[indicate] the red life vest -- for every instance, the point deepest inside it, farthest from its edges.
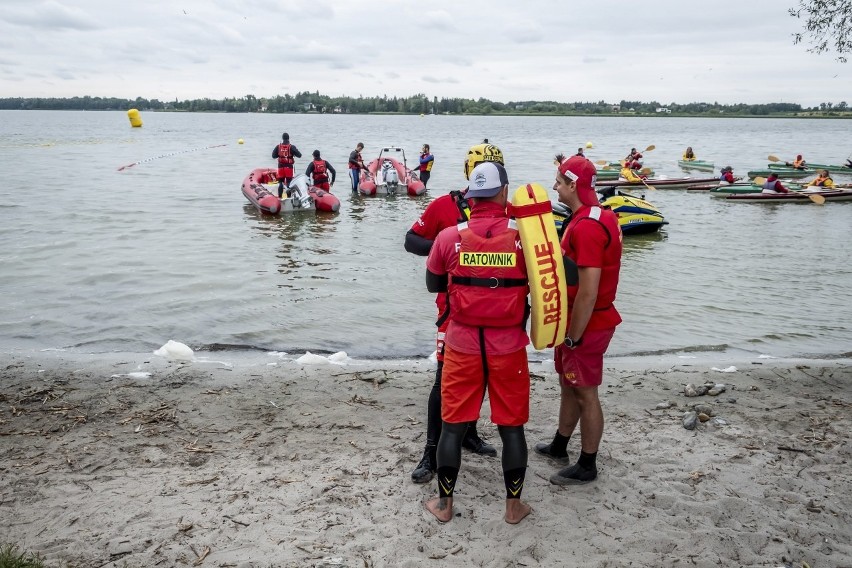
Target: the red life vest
(609, 272)
(488, 287)
(285, 156)
(320, 174)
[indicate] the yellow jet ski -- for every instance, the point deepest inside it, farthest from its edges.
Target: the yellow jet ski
(635, 215)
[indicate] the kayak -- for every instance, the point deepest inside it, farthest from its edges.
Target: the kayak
(832, 169)
(793, 197)
(783, 172)
(661, 183)
(696, 165)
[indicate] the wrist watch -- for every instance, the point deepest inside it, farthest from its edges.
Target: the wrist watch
(572, 343)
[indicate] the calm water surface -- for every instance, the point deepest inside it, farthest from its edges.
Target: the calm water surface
(95, 260)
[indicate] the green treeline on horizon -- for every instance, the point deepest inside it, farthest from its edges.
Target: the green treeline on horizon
(307, 102)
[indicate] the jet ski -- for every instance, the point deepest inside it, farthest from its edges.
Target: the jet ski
(635, 215)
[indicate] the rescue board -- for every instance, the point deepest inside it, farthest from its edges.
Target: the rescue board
(533, 213)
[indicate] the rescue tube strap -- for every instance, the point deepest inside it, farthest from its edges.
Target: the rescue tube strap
(490, 282)
(521, 211)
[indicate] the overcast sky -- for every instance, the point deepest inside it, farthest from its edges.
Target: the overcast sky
(727, 51)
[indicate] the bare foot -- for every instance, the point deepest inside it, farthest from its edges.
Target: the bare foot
(516, 510)
(441, 507)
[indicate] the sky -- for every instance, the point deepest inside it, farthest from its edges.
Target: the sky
(726, 51)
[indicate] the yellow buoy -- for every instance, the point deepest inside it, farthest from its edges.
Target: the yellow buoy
(135, 119)
(589, 145)
(240, 141)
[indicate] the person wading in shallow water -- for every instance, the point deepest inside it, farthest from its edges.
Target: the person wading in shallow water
(480, 266)
(285, 154)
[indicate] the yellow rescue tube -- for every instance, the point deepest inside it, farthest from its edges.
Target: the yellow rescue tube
(135, 118)
(533, 215)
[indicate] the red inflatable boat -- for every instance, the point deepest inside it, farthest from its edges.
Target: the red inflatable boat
(261, 188)
(386, 175)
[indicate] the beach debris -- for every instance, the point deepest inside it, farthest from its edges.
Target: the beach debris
(704, 409)
(175, 351)
(719, 422)
(690, 420)
(200, 557)
(664, 405)
(717, 389)
(133, 375)
(691, 390)
(730, 369)
(339, 358)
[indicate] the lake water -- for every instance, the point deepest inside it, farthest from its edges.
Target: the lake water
(96, 260)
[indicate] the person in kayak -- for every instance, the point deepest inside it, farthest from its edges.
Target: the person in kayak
(689, 155)
(799, 163)
(632, 160)
(727, 176)
(822, 180)
(772, 185)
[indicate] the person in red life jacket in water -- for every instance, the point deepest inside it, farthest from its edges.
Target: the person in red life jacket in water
(427, 160)
(445, 211)
(285, 153)
(480, 266)
(772, 185)
(592, 241)
(318, 171)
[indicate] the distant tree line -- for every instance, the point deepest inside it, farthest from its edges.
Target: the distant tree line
(307, 102)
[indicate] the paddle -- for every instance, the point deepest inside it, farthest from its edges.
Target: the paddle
(818, 199)
(649, 148)
(772, 158)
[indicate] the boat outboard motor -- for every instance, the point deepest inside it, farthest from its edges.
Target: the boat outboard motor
(299, 192)
(390, 176)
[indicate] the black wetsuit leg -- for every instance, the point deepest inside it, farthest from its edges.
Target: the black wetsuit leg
(449, 457)
(514, 459)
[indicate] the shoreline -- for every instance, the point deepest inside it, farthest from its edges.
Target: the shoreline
(254, 464)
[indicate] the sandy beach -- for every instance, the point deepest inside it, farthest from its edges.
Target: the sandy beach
(144, 462)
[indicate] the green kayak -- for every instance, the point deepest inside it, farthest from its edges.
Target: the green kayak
(833, 169)
(696, 165)
(782, 173)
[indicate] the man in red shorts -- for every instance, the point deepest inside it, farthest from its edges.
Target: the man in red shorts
(286, 155)
(593, 241)
(480, 264)
(445, 211)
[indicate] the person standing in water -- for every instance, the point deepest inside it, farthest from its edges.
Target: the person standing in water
(285, 153)
(427, 160)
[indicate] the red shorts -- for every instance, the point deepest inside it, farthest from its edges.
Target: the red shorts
(583, 365)
(285, 172)
(463, 385)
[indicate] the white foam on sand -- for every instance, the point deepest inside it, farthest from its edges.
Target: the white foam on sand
(175, 351)
(339, 358)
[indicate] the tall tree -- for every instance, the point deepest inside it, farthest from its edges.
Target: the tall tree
(826, 22)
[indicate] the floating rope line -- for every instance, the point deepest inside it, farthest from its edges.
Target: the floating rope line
(167, 155)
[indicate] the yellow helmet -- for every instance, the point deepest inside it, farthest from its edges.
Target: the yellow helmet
(481, 153)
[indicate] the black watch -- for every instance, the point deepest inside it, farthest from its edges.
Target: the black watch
(572, 343)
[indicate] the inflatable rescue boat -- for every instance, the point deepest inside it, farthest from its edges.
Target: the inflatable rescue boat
(387, 175)
(260, 187)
